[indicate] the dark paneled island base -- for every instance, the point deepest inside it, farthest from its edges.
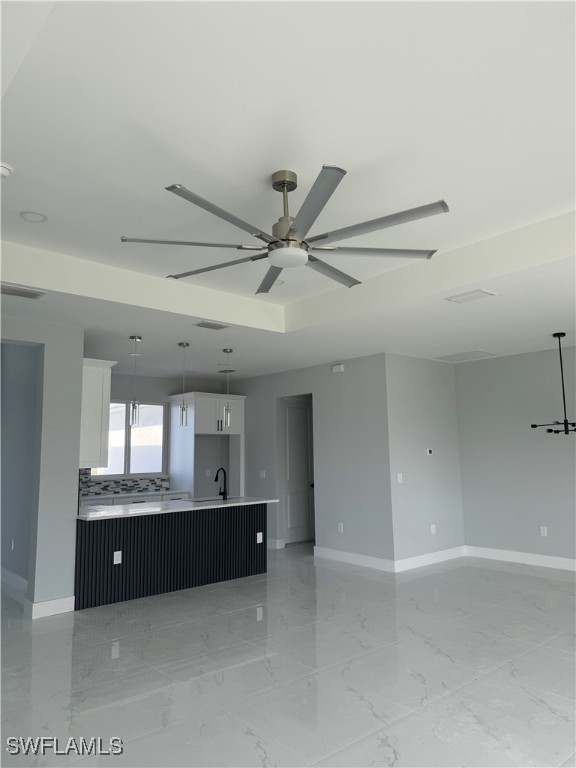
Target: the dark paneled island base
(167, 552)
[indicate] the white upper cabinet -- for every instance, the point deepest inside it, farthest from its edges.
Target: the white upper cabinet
(218, 415)
(96, 378)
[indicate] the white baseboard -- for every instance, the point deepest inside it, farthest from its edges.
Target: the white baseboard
(428, 559)
(276, 543)
(527, 558)
(51, 607)
(408, 563)
(14, 581)
(378, 563)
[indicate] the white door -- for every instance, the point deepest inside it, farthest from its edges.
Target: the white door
(298, 475)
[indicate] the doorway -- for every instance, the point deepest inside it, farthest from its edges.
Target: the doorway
(296, 468)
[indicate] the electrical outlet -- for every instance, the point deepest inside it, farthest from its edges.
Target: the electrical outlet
(433, 529)
(118, 557)
(543, 530)
(259, 613)
(429, 451)
(340, 527)
(115, 650)
(259, 537)
(208, 472)
(262, 474)
(400, 478)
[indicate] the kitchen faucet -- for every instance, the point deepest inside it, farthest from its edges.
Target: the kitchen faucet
(222, 491)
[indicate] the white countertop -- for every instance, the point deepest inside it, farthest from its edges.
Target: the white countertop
(109, 511)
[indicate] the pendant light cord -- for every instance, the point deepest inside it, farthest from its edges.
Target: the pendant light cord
(183, 371)
(134, 374)
(562, 377)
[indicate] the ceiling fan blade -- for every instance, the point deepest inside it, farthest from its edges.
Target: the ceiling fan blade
(270, 278)
(332, 272)
(398, 253)
(219, 266)
(190, 242)
(382, 223)
(322, 190)
(186, 194)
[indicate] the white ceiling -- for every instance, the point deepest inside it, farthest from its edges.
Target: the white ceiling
(107, 103)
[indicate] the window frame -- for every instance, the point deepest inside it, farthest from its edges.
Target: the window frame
(128, 443)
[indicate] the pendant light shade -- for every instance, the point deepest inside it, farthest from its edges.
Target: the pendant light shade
(134, 404)
(227, 415)
(183, 405)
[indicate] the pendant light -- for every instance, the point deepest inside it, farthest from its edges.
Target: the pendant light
(183, 406)
(562, 427)
(227, 413)
(134, 404)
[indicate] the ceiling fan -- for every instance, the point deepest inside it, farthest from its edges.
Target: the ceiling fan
(288, 245)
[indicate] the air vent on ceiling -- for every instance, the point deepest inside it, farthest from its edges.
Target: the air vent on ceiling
(211, 326)
(22, 291)
(463, 357)
(462, 298)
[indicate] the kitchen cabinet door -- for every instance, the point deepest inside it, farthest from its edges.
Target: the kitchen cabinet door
(205, 416)
(95, 415)
(231, 425)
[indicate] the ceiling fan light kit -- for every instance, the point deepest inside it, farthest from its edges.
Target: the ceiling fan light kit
(287, 254)
(288, 246)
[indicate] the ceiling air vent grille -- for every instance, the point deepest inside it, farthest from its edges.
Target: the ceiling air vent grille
(463, 298)
(211, 326)
(464, 357)
(22, 291)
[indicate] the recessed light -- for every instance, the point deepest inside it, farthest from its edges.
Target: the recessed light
(33, 217)
(134, 354)
(279, 283)
(6, 170)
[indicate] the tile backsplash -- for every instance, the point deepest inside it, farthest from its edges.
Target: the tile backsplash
(92, 485)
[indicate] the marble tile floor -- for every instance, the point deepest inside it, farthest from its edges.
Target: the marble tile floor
(316, 663)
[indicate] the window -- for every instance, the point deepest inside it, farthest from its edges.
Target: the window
(136, 450)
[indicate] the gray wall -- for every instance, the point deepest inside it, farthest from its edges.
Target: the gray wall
(155, 389)
(53, 528)
(422, 414)
(210, 453)
(21, 414)
(515, 479)
(351, 461)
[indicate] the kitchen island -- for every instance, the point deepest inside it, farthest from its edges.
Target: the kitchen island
(127, 551)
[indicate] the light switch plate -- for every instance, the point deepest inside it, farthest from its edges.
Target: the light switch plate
(259, 537)
(400, 478)
(118, 557)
